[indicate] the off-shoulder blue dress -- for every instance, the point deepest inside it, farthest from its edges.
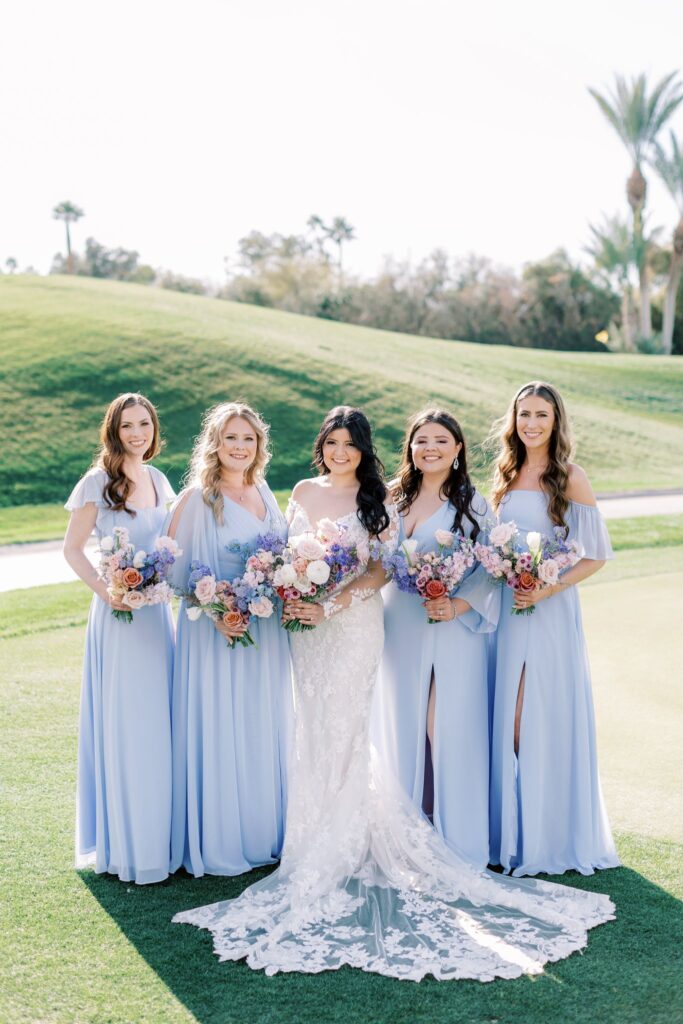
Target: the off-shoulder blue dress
(123, 819)
(232, 710)
(456, 652)
(547, 811)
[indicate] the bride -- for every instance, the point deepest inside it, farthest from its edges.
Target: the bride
(364, 878)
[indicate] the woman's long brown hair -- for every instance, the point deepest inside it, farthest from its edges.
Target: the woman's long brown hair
(512, 452)
(458, 489)
(111, 455)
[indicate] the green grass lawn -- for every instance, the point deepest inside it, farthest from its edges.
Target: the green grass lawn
(68, 345)
(77, 947)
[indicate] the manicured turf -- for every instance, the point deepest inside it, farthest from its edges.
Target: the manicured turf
(77, 947)
(68, 345)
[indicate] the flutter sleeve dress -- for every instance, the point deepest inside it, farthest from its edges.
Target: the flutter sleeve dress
(123, 821)
(547, 810)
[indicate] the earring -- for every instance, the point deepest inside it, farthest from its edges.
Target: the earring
(456, 462)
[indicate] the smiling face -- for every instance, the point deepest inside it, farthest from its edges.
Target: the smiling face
(340, 454)
(433, 448)
(238, 445)
(535, 419)
(136, 430)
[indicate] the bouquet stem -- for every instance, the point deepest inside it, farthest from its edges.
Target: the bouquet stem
(122, 616)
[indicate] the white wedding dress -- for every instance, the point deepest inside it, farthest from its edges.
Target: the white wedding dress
(365, 880)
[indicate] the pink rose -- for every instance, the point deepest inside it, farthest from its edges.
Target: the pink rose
(262, 608)
(134, 599)
(205, 589)
(308, 547)
(548, 571)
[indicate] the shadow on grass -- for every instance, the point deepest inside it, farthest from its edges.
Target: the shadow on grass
(626, 975)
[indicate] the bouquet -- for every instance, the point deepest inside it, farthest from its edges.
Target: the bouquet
(314, 565)
(431, 574)
(136, 578)
(526, 567)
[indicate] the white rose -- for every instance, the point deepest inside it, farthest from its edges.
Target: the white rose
(318, 572)
(107, 544)
(139, 559)
(193, 613)
(308, 547)
(445, 538)
(533, 541)
(284, 576)
(303, 585)
(548, 571)
(502, 533)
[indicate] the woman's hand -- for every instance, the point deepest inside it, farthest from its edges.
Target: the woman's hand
(307, 612)
(528, 598)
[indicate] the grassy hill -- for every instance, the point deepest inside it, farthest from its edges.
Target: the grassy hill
(68, 345)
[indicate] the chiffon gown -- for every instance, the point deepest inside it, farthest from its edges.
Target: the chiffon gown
(123, 820)
(456, 653)
(231, 710)
(547, 811)
(364, 878)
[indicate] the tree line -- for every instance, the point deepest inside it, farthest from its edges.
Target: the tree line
(627, 296)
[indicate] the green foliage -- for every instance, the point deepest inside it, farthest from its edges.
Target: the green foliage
(69, 345)
(646, 532)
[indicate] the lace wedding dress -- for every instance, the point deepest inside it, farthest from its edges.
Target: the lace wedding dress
(364, 878)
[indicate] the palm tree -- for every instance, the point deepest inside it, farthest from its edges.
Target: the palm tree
(669, 167)
(613, 252)
(637, 117)
(340, 231)
(69, 213)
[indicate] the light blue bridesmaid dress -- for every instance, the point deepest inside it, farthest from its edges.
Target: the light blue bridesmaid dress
(232, 710)
(547, 811)
(123, 821)
(457, 654)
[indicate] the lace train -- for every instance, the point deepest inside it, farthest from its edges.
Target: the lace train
(364, 879)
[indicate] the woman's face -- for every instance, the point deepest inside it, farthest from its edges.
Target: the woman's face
(239, 445)
(535, 420)
(340, 454)
(136, 430)
(434, 449)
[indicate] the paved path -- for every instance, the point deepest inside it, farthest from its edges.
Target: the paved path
(33, 565)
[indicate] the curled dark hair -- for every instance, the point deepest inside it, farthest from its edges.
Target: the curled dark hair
(457, 488)
(372, 491)
(112, 453)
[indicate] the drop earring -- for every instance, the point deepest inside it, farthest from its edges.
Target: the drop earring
(456, 462)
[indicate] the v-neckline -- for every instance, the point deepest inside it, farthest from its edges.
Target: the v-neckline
(418, 526)
(157, 502)
(238, 504)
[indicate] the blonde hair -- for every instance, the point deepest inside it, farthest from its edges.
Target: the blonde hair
(512, 451)
(205, 466)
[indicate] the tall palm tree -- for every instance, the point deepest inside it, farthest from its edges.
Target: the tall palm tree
(669, 167)
(613, 252)
(340, 231)
(637, 117)
(69, 213)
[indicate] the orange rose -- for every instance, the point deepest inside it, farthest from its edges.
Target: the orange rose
(233, 619)
(132, 578)
(526, 582)
(434, 589)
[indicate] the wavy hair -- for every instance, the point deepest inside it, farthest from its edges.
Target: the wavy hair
(205, 466)
(457, 488)
(372, 491)
(111, 454)
(512, 452)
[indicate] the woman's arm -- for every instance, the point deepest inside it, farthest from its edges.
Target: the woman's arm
(81, 525)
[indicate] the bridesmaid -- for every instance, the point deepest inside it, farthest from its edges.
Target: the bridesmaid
(123, 822)
(547, 812)
(431, 716)
(231, 707)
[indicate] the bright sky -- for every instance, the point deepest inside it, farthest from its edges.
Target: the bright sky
(180, 127)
